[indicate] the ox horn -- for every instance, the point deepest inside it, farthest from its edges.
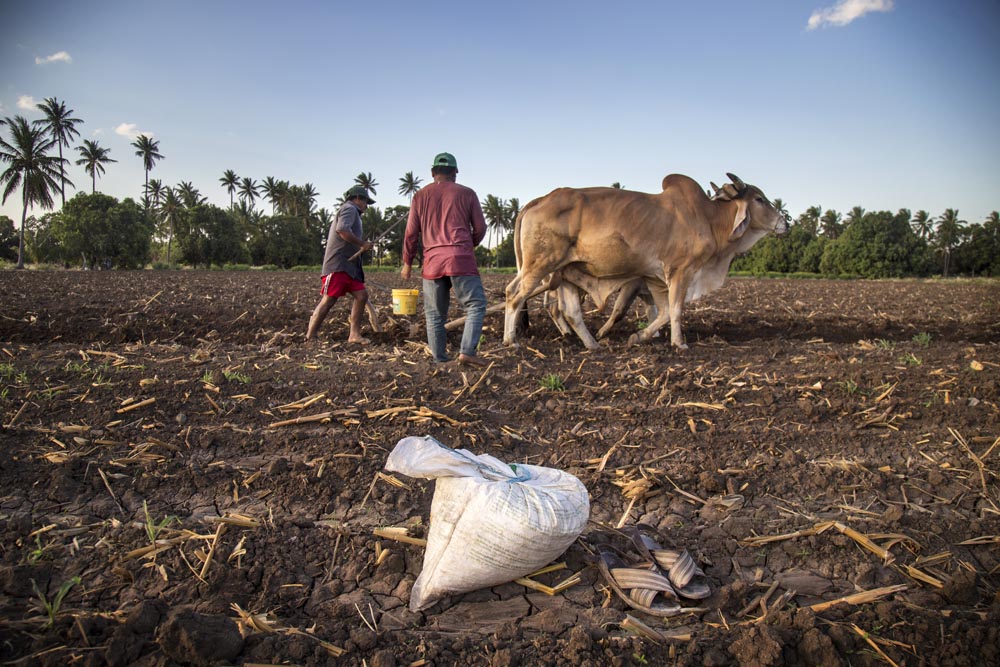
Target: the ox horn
(740, 185)
(716, 188)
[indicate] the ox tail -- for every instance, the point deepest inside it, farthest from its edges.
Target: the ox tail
(522, 324)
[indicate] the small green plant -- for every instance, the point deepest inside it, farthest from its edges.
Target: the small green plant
(51, 607)
(36, 554)
(640, 658)
(851, 387)
(885, 344)
(9, 373)
(78, 367)
(641, 324)
(923, 339)
(236, 376)
(208, 378)
(911, 359)
(154, 528)
(552, 382)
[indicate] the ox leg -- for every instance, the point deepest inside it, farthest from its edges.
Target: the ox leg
(661, 297)
(625, 298)
(518, 291)
(569, 304)
(552, 305)
(678, 292)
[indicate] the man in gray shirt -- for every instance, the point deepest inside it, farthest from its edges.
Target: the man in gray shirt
(340, 273)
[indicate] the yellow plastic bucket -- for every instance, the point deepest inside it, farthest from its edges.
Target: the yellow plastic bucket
(404, 301)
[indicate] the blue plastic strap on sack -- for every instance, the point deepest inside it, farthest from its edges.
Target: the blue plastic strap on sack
(484, 468)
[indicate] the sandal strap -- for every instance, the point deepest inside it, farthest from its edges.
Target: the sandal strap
(630, 578)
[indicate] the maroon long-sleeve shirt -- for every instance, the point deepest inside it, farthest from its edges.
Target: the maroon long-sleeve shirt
(447, 220)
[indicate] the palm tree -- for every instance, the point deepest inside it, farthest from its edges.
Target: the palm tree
(495, 212)
(170, 208)
(309, 195)
(513, 210)
(189, 194)
(809, 220)
(61, 126)
(616, 185)
(149, 150)
(248, 191)
(923, 226)
(779, 206)
(229, 181)
(854, 216)
(93, 157)
(948, 234)
(37, 173)
(830, 224)
(154, 190)
(271, 190)
(409, 185)
(367, 181)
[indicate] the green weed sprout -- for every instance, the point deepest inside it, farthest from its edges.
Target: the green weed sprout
(52, 606)
(552, 382)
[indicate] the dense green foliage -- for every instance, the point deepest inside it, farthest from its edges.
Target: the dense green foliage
(877, 244)
(8, 239)
(208, 235)
(99, 231)
(284, 241)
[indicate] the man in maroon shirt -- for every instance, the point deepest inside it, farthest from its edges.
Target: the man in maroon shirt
(447, 221)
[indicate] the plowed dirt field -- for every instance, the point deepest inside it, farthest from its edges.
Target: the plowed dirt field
(184, 481)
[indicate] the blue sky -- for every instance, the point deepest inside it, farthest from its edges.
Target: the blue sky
(882, 104)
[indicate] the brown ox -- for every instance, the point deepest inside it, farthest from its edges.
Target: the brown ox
(679, 242)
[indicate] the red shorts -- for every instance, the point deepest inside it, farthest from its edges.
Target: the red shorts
(340, 283)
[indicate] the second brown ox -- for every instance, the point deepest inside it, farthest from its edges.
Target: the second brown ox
(679, 242)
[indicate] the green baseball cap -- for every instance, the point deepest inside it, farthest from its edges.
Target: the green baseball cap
(358, 191)
(445, 160)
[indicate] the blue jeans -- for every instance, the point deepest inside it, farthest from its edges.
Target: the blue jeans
(469, 292)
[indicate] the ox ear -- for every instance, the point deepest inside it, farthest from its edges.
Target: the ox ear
(742, 220)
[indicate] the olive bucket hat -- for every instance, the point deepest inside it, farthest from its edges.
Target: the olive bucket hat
(358, 191)
(445, 160)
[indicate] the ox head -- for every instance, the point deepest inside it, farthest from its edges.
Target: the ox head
(753, 209)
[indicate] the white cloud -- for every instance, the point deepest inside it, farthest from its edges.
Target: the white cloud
(129, 130)
(58, 57)
(97, 133)
(846, 11)
(27, 103)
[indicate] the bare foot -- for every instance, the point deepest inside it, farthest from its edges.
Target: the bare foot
(360, 340)
(471, 360)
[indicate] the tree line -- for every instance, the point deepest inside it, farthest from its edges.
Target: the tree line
(879, 244)
(175, 225)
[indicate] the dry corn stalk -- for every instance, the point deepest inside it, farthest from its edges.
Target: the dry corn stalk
(240, 520)
(400, 535)
(301, 404)
(863, 597)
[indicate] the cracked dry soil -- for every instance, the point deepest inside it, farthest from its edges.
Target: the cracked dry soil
(806, 417)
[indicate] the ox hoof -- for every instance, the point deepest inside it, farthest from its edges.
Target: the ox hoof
(680, 347)
(633, 339)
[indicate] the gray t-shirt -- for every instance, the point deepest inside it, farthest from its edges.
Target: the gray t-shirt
(339, 251)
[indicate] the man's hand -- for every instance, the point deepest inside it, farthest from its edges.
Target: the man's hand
(405, 271)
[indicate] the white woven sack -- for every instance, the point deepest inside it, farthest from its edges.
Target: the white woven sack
(490, 522)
